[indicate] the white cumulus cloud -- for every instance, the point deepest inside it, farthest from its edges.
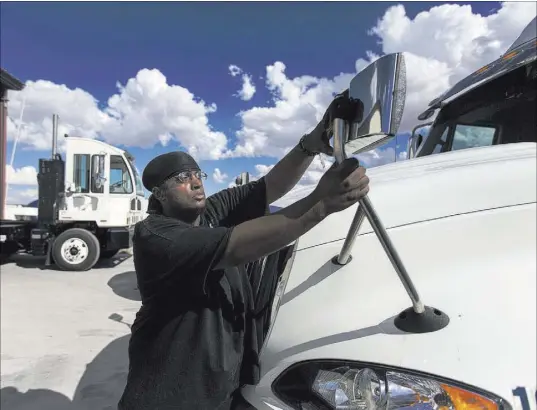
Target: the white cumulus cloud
(248, 89)
(21, 176)
(219, 177)
(18, 196)
(441, 46)
(447, 43)
(146, 110)
(234, 70)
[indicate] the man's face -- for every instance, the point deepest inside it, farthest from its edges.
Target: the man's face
(184, 192)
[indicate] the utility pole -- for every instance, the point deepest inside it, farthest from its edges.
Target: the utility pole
(7, 82)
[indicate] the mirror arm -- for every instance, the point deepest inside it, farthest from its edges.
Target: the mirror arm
(350, 118)
(365, 208)
(340, 132)
(344, 256)
(392, 254)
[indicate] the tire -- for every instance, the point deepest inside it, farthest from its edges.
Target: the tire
(76, 249)
(109, 253)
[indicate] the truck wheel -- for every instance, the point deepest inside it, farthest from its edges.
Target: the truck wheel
(76, 249)
(109, 253)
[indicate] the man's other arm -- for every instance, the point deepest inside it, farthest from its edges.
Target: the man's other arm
(286, 174)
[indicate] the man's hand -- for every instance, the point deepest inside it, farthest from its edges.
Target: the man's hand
(342, 186)
(318, 141)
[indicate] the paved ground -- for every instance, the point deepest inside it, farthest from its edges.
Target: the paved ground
(64, 335)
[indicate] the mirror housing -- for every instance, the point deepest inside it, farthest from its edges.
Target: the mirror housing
(416, 140)
(381, 88)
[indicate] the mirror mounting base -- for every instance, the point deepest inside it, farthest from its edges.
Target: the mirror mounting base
(335, 260)
(431, 320)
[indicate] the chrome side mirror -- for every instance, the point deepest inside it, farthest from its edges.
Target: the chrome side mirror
(418, 137)
(381, 90)
(363, 117)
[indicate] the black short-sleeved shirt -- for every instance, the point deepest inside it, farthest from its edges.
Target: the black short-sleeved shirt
(194, 340)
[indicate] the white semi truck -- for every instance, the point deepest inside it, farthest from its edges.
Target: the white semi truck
(87, 207)
(425, 300)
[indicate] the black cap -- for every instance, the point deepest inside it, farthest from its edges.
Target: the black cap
(164, 166)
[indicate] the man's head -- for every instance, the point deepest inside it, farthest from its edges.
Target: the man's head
(176, 182)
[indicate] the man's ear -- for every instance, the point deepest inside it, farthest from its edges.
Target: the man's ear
(158, 193)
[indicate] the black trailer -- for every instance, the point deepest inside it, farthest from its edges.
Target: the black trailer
(12, 233)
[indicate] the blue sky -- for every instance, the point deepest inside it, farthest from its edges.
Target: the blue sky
(92, 46)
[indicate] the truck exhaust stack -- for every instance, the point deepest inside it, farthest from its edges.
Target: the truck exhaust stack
(54, 135)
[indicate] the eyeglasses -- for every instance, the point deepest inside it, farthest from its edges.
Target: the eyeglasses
(187, 176)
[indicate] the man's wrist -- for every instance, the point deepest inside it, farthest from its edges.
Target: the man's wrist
(314, 202)
(303, 146)
(318, 211)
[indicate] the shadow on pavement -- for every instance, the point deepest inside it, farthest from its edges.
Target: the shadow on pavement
(118, 259)
(24, 260)
(100, 387)
(125, 285)
(12, 399)
(104, 379)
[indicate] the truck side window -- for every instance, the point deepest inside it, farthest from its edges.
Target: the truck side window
(120, 178)
(81, 173)
(97, 174)
(471, 136)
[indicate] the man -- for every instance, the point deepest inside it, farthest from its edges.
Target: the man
(193, 342)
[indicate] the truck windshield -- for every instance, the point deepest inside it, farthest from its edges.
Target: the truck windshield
(503, 112)
(138, 179)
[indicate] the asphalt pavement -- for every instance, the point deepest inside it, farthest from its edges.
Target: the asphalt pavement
(64, 335)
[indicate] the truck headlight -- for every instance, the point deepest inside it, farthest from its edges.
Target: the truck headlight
(335, 386)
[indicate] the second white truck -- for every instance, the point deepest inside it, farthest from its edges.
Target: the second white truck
(87, 207)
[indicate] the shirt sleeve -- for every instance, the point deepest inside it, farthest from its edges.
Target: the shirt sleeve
(236, 205)
(172, 255)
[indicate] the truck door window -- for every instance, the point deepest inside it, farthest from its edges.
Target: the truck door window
(120, 178)
(471, 136)
(81, 173)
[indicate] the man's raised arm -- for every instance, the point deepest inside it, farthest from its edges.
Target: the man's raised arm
(340, 187)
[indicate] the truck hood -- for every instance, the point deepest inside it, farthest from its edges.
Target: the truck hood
(464, 225)
(427, 188)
